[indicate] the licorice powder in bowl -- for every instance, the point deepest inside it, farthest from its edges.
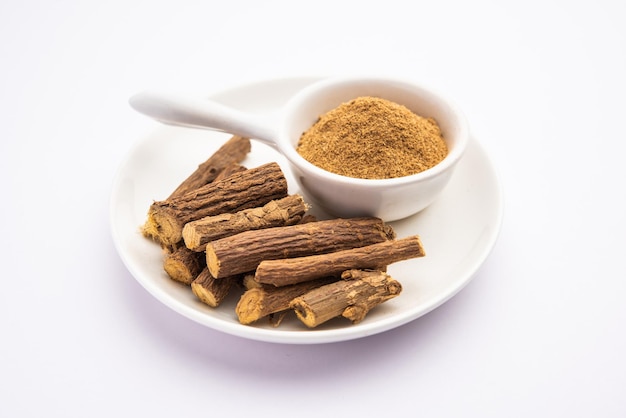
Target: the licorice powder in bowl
(373, 138)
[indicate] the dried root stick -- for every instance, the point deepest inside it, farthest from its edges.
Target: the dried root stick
(243, 252)
(242, 190)
(281, 272)
(212, 291)
(283, 212)
(261, 301)
(350, 298)
(233, 151)
(184, 265)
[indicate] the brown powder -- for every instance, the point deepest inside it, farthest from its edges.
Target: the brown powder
(373, 138)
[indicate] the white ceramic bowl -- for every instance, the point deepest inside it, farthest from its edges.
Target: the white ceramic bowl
(389, 199)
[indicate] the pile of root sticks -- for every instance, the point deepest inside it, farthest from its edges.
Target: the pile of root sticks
(229, 227)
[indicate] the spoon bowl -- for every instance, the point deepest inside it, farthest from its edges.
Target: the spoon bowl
(390, 199)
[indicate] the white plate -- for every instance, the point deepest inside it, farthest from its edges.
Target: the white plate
(458, 230)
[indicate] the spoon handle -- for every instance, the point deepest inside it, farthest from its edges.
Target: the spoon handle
(200, 113)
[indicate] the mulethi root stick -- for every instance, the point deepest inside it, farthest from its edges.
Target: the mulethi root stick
(243, 252)
(281, 272)
(233, 151)
(352, 298)
(242, 190)
(282, 212)
(261, 301)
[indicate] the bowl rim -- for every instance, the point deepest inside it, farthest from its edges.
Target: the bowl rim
(453, 156)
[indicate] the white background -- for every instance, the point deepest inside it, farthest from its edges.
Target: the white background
(540, 331)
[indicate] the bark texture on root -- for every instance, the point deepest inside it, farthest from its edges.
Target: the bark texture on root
(350, 298)
(231, 152)
(242, 190)
(243, 252)
(184, 265)
(261, 301)
(281, 272)
(283, 212)
(212, 291)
